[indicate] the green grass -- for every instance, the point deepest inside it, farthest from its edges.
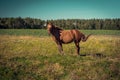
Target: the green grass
(43, 32)
(29, 54)
(37, 58)
(24, 32)
(102, 32)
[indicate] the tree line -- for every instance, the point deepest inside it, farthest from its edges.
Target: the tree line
(32, 23)
(21, 23)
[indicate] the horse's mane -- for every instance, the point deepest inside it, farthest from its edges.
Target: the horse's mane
(57, 28)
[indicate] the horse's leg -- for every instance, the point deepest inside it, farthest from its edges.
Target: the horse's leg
(77, 47)
(60, 48)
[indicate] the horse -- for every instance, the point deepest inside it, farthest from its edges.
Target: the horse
(61, 36)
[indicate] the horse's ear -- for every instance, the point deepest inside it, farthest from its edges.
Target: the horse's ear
(49, 23)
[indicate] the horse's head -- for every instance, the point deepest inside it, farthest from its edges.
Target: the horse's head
(49, 27)
(52, 28)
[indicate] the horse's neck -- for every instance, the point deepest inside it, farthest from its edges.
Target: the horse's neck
(55, 31)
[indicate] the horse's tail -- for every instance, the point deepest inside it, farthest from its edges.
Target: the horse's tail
(85, 38)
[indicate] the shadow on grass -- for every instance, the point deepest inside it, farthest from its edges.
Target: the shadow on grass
(97, 55)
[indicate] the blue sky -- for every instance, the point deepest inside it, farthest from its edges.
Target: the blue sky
(60, 9)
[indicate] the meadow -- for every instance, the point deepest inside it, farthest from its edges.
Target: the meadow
(32, 55)
(43, 32)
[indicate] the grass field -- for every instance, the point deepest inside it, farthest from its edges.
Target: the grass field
(32, 55)
(43, 32)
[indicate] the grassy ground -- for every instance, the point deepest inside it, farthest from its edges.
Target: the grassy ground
(37, 58)
(43, 32)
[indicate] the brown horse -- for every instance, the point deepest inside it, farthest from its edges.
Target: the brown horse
(61, 36)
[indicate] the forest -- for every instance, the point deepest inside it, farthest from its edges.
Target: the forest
(33, 23)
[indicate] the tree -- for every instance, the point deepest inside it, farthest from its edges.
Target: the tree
(32, 23)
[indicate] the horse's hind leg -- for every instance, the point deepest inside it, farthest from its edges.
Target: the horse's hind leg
(77, 47)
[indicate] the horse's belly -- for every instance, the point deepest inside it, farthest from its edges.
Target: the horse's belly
(66, 37)
(66, 40)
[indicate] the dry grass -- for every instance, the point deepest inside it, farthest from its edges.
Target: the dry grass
(37, 58)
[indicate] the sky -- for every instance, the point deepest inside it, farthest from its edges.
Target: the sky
(60, 9)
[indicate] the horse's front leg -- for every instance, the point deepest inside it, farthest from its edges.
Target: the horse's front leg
(60, 48)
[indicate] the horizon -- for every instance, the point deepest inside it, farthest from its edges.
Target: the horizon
(63, 19)
(63, 9)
